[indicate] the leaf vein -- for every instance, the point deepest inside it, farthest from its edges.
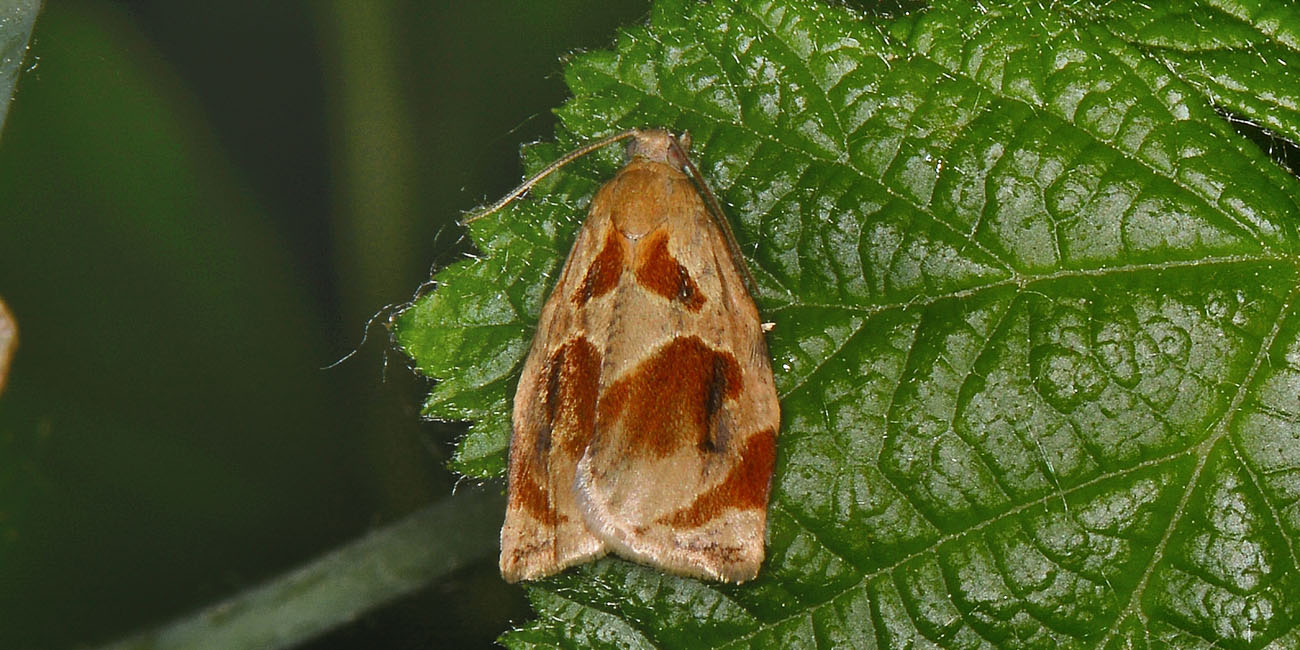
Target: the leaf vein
(958, 534)
(1204, 449)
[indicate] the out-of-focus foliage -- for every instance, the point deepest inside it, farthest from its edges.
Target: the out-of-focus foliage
(180, 241)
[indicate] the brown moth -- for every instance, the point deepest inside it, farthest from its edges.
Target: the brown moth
(645, 421)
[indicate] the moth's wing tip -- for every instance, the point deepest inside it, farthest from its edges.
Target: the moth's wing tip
(519, 564)
(707, 568)
(524, 571)
(511, 565)
(513, 561)
(510, 574)
(742, 572)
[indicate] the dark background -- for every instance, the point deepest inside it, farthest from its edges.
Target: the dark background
(202, 204)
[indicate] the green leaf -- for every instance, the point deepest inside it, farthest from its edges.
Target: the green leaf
(1036, 340)
(1238, 54)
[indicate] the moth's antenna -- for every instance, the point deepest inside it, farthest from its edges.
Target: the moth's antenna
(720, 217)
(550, 169)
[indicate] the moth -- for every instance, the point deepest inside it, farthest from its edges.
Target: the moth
(646, 417)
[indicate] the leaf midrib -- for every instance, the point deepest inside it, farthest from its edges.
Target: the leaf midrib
(1028, 281)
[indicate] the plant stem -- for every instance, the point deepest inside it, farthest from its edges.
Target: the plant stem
(343, 584)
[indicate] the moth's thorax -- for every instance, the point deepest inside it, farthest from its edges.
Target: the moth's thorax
(646, 195)
(659, 145)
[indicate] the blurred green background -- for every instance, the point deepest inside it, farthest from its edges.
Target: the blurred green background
(201, 205)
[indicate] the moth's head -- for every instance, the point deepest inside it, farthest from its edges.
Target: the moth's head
(660, 146)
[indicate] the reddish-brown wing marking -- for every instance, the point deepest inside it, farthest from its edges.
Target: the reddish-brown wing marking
(646, 417)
